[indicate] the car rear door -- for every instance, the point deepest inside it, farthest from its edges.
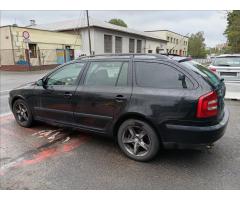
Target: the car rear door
(103, 94)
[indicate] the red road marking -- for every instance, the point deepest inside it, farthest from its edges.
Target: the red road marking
(39, 157)
(48, 153)
(34, 157)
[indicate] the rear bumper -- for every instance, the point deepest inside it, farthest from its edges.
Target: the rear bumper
(195, 135)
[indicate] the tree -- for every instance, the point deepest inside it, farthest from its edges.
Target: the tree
(118, 22)
(196, 45)
(232, 31)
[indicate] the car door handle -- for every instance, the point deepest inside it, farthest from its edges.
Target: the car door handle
(67, 94)
(120, 98)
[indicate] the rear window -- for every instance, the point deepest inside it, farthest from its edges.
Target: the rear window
(227, 61)
(202, 71)
(158, 75)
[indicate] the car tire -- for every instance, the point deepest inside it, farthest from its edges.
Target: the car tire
(138, 140)
(22, 113)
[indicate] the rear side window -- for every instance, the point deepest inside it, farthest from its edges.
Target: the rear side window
(107, 74)
(158, 75)
(202, 71)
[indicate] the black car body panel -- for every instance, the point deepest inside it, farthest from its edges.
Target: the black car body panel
(172, 112)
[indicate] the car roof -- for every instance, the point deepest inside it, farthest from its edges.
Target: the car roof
(180, 58)
(123, 56)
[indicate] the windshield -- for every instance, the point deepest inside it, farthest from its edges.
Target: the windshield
(202, 71)
(227, 61)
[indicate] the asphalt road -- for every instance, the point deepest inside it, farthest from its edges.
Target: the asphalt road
(10, 80)
(46, 157)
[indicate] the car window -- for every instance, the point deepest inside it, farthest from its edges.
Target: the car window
(66, 75)
(105, 74)
(162, 76)
(202, 71)
(123, 76)
(229, 61)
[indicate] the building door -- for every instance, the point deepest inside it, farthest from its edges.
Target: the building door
(180, 52)
(60, 56)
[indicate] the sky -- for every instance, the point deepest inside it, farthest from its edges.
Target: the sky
(212, 23)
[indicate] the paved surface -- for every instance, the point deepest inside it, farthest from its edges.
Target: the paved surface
(233, 90)
(46, 157)
(10, 80)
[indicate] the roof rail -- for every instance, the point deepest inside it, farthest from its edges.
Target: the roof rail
(122, 54)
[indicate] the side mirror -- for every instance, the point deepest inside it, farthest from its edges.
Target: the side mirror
(41, 82)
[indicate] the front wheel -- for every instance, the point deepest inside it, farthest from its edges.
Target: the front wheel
(138, 140)
(22, 113)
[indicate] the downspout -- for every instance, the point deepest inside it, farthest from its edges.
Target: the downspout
(13, 52)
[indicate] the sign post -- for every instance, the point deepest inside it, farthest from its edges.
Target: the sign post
(26, 39)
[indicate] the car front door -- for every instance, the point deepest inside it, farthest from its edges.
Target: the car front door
(55, 96)
(103, 94)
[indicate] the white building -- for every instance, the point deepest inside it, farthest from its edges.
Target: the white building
(177, 43)
(109, 38)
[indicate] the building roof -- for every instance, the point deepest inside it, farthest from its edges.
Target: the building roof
(167, 31)
(82, 23)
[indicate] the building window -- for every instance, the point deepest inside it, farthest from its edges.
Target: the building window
(168, 38)
(149, 51)
(171, 39)
(131, 45)
(139, 46)
(107, 44)
(177, 41)
(118, 44)
(67, 47)
(32, 50)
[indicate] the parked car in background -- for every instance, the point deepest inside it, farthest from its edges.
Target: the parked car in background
(144, 101)
(227, 66)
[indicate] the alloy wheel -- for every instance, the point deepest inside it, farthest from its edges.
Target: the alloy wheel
(136, 140)
(21, 112)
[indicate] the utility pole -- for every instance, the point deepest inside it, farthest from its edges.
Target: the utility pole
(12, 41)
(89, 37)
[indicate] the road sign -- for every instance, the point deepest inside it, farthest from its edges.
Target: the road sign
(26, 35)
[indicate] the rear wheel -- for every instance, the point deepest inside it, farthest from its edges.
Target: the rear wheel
(138, 140)
(22, 113)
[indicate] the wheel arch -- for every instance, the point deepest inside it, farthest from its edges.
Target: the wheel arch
(15, 98)
(138, 116)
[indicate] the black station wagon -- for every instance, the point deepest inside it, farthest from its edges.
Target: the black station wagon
(145, 101)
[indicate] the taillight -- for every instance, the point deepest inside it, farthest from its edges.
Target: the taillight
(207, 105)
(213, 69)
